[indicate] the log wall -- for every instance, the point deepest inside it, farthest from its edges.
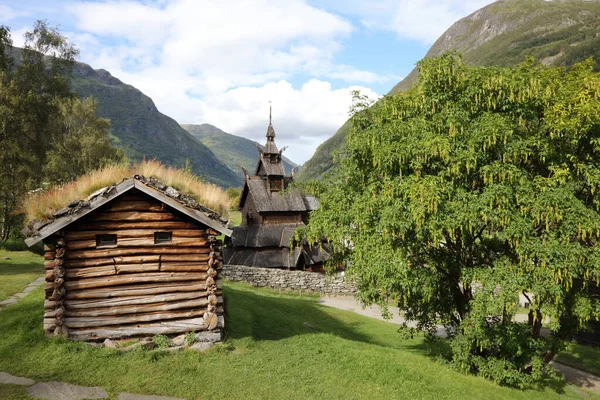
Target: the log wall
(135, 287)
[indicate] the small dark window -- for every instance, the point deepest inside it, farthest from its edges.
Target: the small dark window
(162, 237)
(106, 240)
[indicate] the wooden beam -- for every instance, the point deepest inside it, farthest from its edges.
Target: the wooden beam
(164, 328)
(134, 233)
(159, 277)
(134, 300)
(139, 242)
(136, 290)
(141, 251)
(94, 225)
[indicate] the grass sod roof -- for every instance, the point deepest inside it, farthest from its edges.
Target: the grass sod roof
(43, 208)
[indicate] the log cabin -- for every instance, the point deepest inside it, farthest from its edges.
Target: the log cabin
(134, 259)
(270, 216)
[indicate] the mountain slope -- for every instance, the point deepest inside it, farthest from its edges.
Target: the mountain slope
(142, 131)
(558, 32)
(233, 151)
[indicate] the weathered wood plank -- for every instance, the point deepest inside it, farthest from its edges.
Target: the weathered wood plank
(134, 205)
(141, 251)
(94, 262)
(135, 216)
(117, 269)
(183, 267)
(123, 312)
(117, 280)
(135, 300)
(89, 322)
(136, 290)
(139, 242)
(118, 225)
(49, 255)
(134, 233)
(108, 270)
(165, 328)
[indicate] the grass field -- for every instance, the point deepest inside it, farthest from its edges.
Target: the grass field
(277, 347)
(16, 272)
(582, 357)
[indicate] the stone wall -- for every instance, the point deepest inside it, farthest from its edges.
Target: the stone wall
(284, 279)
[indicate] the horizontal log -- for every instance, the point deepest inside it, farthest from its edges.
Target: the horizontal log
(49, 264)
(183, 267)
(49, 255)
(108, 270)
(90, 322)
(134, 233)
(137, 290)
(117, 269)
(118, 225)
(117, 280)
(93, 262)
(134, 205)
(49, 246)
(134, 300)
(120, 312)
(135, 251)
(156, 328)
(49, 304)
(139, 242)
(135, 216)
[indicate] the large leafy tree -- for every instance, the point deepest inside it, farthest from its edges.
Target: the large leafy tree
(82, 142)
(32, 82)
(46, 134)
(473, 187)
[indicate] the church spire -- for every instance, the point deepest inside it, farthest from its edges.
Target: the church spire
(270, 130)
(270, 147)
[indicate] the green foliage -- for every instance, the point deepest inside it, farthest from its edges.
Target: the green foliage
(501, 34)
(29, 97)
(82, 143)
(190, 338)
(18, 244)
(475, 185)
(234, 195)
(160, 341)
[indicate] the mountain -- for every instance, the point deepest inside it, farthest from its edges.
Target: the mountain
(504, 33)
(233, 151)
(144, 132)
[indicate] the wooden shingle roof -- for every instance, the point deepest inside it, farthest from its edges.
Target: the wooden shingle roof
(186, 205)
(267, 201)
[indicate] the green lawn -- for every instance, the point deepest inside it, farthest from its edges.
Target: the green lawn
(21, 268)
(582, 357)
(278, 347)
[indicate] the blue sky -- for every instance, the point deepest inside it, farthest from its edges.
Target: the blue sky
(221, 62)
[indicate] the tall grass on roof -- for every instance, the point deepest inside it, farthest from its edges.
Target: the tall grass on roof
(41, 205)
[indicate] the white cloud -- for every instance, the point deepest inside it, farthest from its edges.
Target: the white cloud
(221, 62)
(8, 14)
(422, 20)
